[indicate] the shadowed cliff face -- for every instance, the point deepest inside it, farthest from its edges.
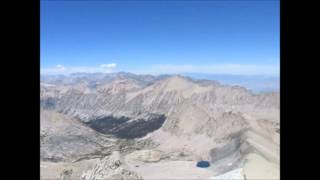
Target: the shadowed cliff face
(124, 127)
(48, 103)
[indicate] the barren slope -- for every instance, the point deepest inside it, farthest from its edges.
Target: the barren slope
(226, 125)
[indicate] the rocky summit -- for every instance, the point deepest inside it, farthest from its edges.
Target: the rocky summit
(128, 126)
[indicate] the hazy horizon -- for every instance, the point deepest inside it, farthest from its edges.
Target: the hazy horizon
(236, 42)
(255, 83)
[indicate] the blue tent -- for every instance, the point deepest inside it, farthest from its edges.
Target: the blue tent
(203, 164)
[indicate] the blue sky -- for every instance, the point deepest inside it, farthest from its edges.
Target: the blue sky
(213, 37)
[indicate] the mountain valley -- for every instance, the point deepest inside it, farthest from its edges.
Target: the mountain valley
(128, 126)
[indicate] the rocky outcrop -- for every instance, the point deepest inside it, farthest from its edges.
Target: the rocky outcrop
(110, 167)
(66, 174)
(154, 155)
(63, 138)
(145, 156)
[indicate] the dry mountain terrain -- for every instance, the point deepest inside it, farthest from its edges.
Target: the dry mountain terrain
(122, 125)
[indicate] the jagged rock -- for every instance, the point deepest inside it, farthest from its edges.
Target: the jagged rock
(110, 167)
(66, 174)
(154, 155)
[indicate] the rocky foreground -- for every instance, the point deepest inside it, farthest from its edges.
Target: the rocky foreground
(126, 126)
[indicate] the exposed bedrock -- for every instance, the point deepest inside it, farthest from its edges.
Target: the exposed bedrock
(62, 139)
(231, 154)
(110, 167)
(236, 143)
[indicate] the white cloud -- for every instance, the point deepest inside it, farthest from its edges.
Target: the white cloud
(60, 69)
(112, 65)
(232, 69)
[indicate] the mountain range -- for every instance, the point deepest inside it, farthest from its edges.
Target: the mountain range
(100, 126)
